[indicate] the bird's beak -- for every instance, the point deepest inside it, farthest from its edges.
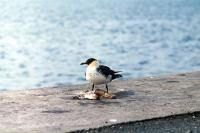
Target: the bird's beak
(83, 63)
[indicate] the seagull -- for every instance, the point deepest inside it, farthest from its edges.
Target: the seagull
(99, 74)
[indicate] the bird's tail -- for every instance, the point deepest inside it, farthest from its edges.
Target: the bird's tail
(116, 76)
(117, 71)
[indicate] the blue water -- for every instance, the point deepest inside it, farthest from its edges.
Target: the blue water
(42, 42)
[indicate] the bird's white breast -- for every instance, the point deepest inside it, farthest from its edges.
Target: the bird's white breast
(93, 76)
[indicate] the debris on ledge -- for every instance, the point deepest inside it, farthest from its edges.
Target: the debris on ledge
(94, 95)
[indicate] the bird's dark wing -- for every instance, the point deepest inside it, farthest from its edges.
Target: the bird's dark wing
(105, 70)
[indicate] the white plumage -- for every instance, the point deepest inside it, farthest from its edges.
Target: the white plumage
(95, 77)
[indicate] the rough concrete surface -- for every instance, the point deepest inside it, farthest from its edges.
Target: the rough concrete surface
(53, 110)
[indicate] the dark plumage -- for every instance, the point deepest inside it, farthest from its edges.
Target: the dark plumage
(106, 71)
(88, 61)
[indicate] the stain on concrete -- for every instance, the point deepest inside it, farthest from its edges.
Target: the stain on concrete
(56, 111)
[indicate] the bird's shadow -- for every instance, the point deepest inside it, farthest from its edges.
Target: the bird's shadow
(105, 102)
(123, 94)
(97, 102)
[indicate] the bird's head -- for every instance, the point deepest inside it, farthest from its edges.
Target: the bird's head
(88, 61)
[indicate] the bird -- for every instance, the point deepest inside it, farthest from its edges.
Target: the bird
(99, 74)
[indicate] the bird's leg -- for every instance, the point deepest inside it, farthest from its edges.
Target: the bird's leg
(92, 87)
(107, 88)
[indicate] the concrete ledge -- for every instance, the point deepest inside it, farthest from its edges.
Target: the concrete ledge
(52, 110)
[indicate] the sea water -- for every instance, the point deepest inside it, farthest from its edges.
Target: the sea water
(43, 42)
